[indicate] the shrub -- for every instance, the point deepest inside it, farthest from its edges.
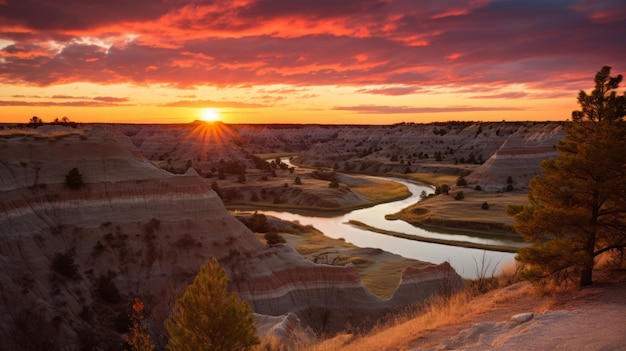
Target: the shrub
(273, 238)
(298, 181)
(74, 179)
(64, 263)
(445, 189)
(459, 196)
(461, 182)
(258, 223)
(485, 206)
(478, 188)
(334, 184)
(107, 290)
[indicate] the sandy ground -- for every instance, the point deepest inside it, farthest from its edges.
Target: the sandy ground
(592, 318)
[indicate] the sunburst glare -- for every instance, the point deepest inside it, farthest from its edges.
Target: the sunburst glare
(210, 115)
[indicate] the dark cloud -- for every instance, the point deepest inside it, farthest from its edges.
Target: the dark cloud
(78, 14)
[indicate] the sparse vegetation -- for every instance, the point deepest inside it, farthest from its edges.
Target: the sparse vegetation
(210, 318)
(273, 238)
(74, 179)
(64, 263)
(107, 290)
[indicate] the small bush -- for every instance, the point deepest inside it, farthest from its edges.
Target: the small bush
(485, 206)
(459, 196)
(258, 223)
(74, 179)
(461, 182)
(298, 181)
(478, 188)
(445, 189)
(334, 184)
(107, 290)
(64, 264)
(273, 238)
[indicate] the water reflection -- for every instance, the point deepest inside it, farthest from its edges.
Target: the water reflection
(466, 261)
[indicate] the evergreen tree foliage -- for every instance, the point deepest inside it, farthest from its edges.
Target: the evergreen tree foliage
(210, 318)
(577, 206)
(138, 339)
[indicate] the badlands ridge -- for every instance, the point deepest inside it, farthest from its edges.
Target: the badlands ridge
(73, 258)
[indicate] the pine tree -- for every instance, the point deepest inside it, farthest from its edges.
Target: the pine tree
(209, 317)
(138, 338)
(577, 206)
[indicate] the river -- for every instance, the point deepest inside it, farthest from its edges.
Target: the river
(469, 263)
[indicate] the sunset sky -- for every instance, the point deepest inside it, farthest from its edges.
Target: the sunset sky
(302, 61)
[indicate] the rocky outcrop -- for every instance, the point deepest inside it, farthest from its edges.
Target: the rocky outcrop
(76, 256)
(346, 148)
(518, 158)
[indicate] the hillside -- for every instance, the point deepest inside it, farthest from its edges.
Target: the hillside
(72, 258)
(517, 317)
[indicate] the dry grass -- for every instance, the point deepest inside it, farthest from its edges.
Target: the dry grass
(445, 211)
(425, 325)
(273, 156)
(434, 179)
(382, 191)
(380, 271)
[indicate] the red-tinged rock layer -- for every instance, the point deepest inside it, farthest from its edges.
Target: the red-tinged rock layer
(135, 230)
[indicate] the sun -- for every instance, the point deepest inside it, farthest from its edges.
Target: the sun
(210, 115)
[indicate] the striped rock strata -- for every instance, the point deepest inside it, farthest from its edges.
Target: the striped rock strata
(146, 231)
(519, 158)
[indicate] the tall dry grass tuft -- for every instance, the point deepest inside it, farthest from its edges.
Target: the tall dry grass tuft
(510, 273)
(445, 309)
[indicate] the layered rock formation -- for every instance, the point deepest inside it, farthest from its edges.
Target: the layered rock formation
(518, 158)
(366, 149)
(72, 258)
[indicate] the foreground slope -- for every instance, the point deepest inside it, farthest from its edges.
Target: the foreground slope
(71, 259)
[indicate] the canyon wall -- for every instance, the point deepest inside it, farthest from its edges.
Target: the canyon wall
(403, 148)
(72, 258)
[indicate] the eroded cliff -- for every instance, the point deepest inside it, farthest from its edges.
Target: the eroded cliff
(72, 258)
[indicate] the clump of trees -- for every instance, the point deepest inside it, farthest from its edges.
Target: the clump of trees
(577, 206)
(209, 317)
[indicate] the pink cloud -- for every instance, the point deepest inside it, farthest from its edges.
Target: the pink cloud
(376, 109)
(301, 43)
(211, 103)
